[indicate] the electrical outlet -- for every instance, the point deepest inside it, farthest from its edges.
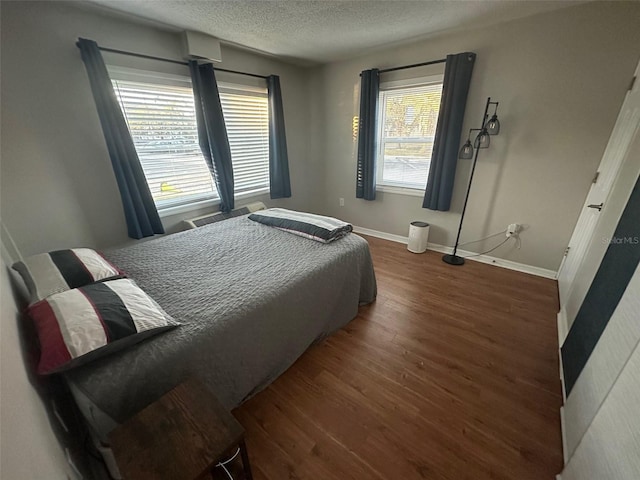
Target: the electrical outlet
(513, 229)
(342, 202)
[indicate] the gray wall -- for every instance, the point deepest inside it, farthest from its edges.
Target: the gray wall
(29, 447)
(58, 189)
(560, 78)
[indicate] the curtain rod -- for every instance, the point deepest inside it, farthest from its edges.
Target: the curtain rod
(177, 62)
(433, 62)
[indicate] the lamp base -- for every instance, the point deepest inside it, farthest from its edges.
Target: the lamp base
(453, 260)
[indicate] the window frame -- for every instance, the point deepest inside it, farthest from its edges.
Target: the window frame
(390, 86)
(184, 80)
(232, 88)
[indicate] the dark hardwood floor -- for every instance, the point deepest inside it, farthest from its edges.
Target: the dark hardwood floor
(451, 374)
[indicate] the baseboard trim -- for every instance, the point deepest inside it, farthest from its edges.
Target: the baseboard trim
(563, 430)
(383, 235)
(520, 267)
(564, 390)
(565, 451)
(563, 328)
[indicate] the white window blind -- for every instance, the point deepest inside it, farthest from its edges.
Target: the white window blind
(160, 114)
(162, 123)
(408, 117)
(246, 115)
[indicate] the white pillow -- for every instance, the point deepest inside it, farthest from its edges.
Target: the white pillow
(60, 270)
(82, 324)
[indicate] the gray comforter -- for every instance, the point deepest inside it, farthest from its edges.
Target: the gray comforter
(251, 299)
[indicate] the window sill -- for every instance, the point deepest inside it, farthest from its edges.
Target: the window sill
(208, 203)
(188, 207)
(411, 192)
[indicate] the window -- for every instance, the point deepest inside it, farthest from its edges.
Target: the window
(246, 115)
(159, 110)
(408, 116)
(162, 122)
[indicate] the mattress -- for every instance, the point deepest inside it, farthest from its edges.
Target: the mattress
(251, 300)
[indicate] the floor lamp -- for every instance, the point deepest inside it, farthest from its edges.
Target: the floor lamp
(490, 126)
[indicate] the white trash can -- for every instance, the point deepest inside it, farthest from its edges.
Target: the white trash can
(418, 237)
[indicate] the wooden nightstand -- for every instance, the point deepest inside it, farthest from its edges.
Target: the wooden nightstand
(182, 436)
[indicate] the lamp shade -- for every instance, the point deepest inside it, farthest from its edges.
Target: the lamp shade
(493, 125)
(483, 139)
(466, 152)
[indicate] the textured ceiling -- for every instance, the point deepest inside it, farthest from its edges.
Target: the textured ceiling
(323, 31)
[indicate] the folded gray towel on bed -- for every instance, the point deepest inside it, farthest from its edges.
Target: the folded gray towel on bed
(309, 225)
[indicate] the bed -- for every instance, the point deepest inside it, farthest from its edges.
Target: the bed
(251, 300)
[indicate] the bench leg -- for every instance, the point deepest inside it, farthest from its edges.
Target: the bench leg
(245, 461)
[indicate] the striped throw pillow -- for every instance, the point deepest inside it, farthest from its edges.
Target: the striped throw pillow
(82, 324)
(309, 225)
(61, 270)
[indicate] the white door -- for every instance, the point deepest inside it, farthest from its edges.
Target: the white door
(623, 132)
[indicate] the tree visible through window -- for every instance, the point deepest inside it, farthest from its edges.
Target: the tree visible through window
(408, 118)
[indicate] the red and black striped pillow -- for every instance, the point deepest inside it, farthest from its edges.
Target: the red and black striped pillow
(61, 270)
(82, 324)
